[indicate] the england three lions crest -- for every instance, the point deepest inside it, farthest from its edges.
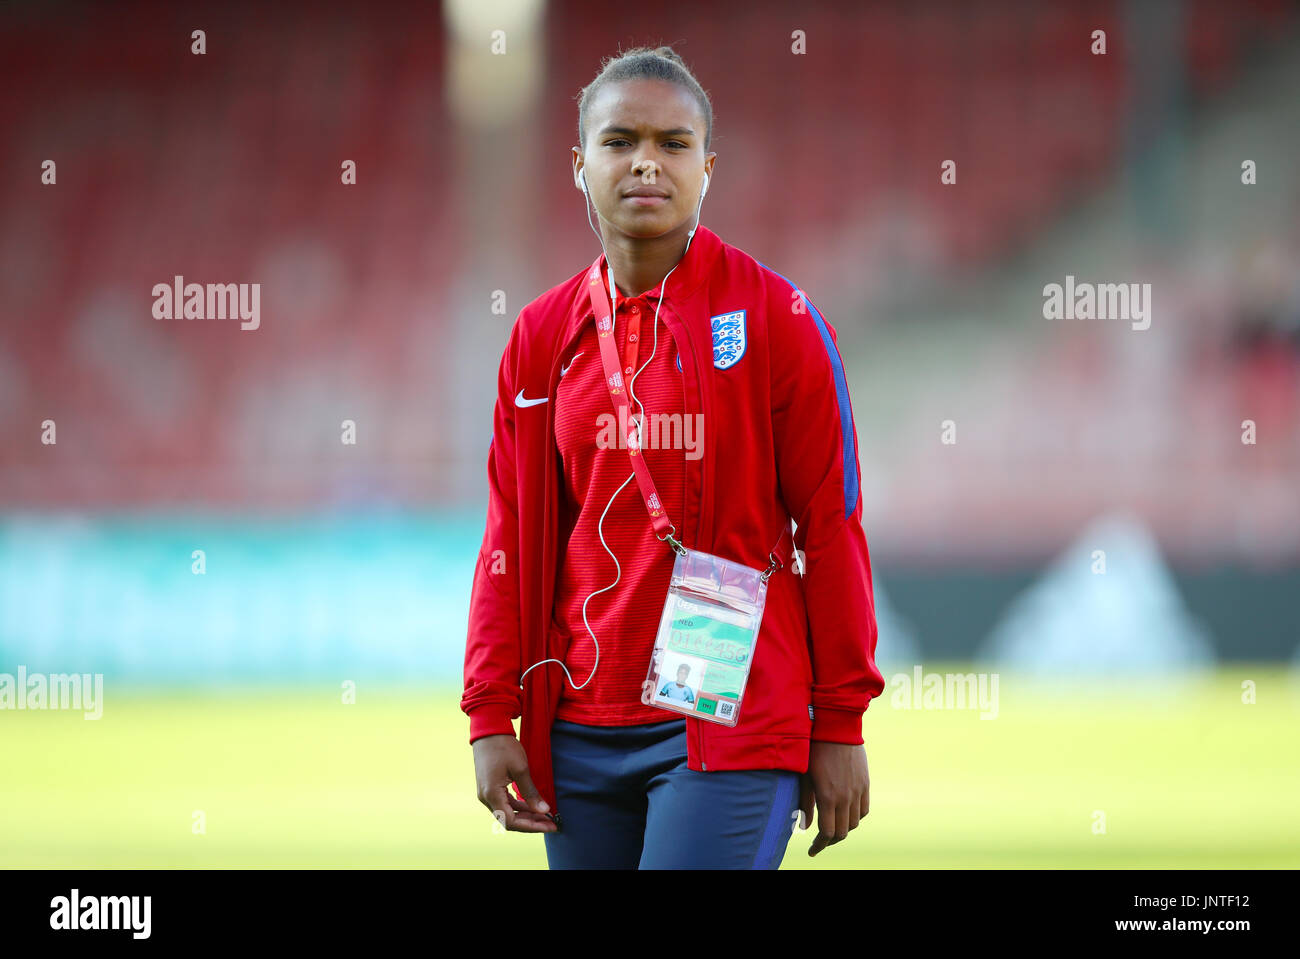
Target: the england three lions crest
(728, 338)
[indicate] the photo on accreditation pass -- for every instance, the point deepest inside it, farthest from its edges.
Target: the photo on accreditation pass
(702, 667)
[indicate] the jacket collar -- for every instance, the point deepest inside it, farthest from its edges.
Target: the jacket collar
(683, 281)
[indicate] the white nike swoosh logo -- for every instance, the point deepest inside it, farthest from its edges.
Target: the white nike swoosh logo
(520, 401)
(565, 369)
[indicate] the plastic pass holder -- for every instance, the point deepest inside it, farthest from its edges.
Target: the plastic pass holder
(706, 639)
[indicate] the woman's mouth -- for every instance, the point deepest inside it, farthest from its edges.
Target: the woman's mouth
(646, 195)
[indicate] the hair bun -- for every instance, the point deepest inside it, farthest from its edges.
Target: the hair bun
(649, 63)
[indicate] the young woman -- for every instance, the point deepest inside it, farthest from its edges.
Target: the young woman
(737, 368)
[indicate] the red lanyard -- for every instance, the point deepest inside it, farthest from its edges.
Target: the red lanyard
(615, 383)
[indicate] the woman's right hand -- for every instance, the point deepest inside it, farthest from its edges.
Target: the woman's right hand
(498, 761)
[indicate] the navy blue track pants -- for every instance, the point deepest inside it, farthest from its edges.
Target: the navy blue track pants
(627, 800)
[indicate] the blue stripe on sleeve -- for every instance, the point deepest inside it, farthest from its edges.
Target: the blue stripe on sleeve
(842, 395)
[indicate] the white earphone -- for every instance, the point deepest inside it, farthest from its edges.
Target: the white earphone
(580, 181)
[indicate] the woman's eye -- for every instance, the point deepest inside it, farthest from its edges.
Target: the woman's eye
(610, 143)
(675, 143)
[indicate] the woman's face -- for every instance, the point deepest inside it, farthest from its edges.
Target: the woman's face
(644, 137)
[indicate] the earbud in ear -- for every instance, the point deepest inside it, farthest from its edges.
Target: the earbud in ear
(580, 181)
(705, 187)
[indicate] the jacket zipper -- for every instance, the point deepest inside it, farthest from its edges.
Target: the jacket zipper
(699, 520)
(698, 735)
(553, 503)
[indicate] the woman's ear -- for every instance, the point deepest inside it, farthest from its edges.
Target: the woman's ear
(579, 178)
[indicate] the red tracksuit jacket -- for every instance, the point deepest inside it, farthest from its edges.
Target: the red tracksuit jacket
(779, 442)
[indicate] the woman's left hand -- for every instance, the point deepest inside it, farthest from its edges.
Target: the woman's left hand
(839, 783)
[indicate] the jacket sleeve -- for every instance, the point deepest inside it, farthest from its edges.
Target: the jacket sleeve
(492, 697)
(817, 467)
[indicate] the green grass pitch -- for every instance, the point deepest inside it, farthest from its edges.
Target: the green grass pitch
(1129, 775)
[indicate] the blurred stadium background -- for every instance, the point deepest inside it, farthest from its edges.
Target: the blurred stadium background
(1121, 693)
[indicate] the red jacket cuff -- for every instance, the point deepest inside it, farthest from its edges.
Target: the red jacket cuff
(832, 725)
(490, 719)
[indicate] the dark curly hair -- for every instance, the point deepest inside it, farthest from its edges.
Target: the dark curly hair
(646, 63)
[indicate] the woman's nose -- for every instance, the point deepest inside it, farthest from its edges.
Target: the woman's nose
(646, 169)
